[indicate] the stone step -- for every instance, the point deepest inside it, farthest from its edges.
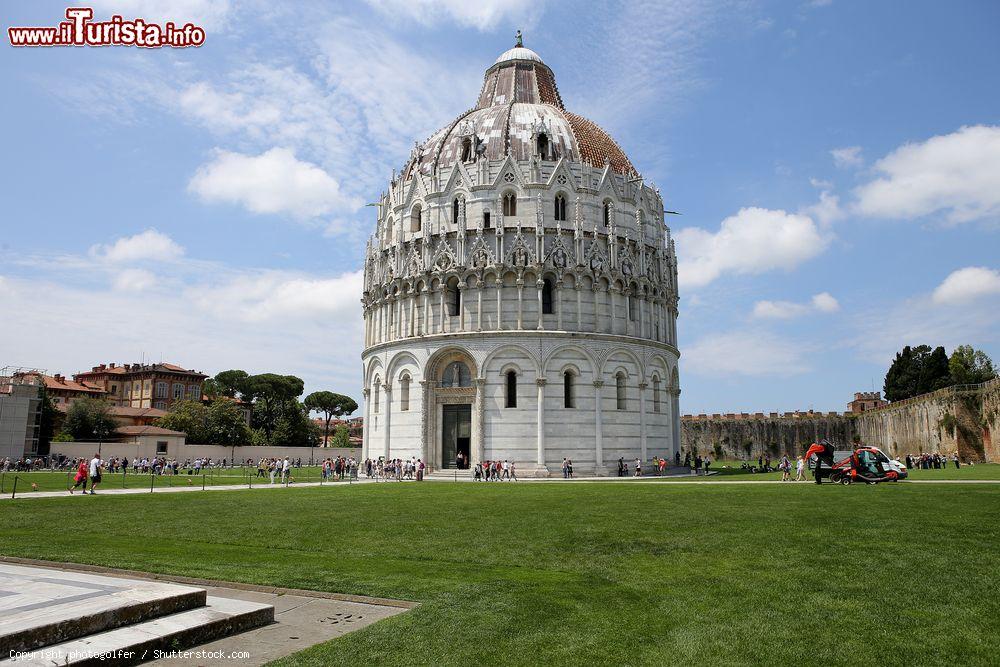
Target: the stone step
(40, 606)
(220, 617)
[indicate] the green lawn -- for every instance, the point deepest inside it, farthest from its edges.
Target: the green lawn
(60, 481)
(582, 573)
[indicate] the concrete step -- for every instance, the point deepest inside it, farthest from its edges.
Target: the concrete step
(40, 607)
(220, 617)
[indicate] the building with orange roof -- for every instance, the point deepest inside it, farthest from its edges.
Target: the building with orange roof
(156, 386)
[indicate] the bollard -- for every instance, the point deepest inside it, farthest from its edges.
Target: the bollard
(152, 477)
(67, 480)
(250, 477)
(123, 476)
(3, 478)
(14, 492)
(202, 481)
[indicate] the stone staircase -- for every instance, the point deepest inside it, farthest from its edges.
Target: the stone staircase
(58, 617)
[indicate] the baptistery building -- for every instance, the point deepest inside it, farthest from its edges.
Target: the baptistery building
(520, 293)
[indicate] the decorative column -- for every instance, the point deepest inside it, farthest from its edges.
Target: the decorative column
(612, 290)
(642, 420)
(479, 421)
(579, 304)
(387, 388)
(499, 285)
(441, 291)
(461, 305)
(427, 310)
(413, 312)
(366, 430)
(559, 300)
(520, 302)
(541, 470)
(479, 305)
(642, 317)
(539, 285)
(597, 312)
(675, 419)
(598, 427)
(425, 401)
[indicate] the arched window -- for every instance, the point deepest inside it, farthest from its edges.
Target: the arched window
(543, 146)
(415, 218)
(486, 220)
(456, 206)
(620, 390)
(569, 400)
(376, 401)
(510, 398)
(560, 206)
(607, 214)
(546, 297)
(467, 150)
(404, 392)
(633, 306)
(510, 204)
(454, 298)
(656, 393)
(456, 374)
(388, 230)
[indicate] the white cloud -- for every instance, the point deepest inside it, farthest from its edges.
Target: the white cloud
(207, 316)
(275, 294)
(147, 245)
(785, 310)
(751, 353)
(209, 14)
(273, 182)
(956, 176)
(847, 157)
(481, 14)
(133, 280)
(968, 284)
(825, 303)
(826, 210)
(753, 241)
(821, 184)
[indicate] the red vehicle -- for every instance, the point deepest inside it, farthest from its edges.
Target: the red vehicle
(865, 464)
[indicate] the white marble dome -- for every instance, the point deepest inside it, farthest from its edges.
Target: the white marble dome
(520, 293)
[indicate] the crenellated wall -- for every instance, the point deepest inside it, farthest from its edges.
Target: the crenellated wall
(964, 418)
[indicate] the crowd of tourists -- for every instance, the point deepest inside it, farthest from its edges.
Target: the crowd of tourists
(496, 471)
(395, 469)
(931, 461)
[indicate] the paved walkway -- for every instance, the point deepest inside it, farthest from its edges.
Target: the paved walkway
(668, 480)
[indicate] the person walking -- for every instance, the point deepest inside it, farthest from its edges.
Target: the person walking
(81, 476)
(286, 469)
(95, 473)
(621, 466)
(565, 469)
(800, 467)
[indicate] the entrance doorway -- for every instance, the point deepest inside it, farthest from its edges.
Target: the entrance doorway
(456, 435)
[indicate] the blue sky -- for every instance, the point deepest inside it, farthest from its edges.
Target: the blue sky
(837, 165)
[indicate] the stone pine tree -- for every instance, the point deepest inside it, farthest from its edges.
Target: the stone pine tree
(330, 405)
(270, 394)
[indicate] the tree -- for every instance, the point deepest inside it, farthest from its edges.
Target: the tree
(226, 426)
(270, 393)
(47, 425)
(232, 382)
(190, 417)
(293, 428)
(330, 405)
(970, 366)
(89, 419)
(342, 436)
(916, 371)
(211, 388)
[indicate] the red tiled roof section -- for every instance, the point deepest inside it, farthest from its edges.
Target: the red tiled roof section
(596, 145)
(547, 91)
(65, 384)
(146, 430)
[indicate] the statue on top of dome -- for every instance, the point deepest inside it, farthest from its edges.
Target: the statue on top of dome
(520, 40)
